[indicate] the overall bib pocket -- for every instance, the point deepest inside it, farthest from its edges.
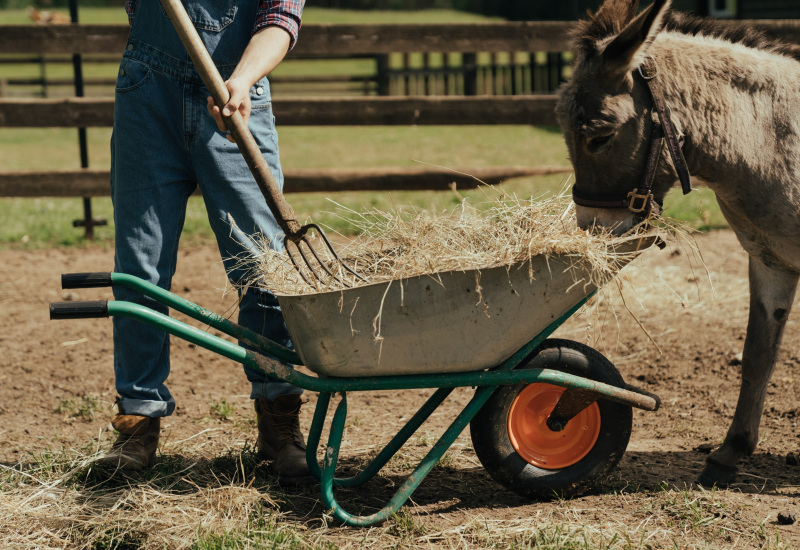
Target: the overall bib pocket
(209, 15)
(132, 74)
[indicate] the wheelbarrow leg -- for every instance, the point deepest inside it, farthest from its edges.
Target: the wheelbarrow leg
(412, 481)
(386, 453)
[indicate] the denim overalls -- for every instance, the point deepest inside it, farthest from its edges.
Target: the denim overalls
(164, 145)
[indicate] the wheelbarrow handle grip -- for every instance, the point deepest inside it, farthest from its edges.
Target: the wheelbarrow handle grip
(283, 212)
(79, 310)
(86, 280)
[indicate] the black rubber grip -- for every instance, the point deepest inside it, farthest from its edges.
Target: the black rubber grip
(79, 310)
(85, 280)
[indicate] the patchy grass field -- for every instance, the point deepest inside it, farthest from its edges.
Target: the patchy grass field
(46, 222)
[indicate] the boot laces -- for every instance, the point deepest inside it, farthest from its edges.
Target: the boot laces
(286, 425)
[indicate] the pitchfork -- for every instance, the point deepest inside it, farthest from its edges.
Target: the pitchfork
(296, 234)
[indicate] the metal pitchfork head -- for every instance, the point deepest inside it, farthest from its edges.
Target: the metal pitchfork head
(302, 237)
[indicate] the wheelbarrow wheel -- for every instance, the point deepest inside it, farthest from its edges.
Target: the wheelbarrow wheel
(521, 453)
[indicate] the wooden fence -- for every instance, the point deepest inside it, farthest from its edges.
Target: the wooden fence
(317, 41)
(333, 41)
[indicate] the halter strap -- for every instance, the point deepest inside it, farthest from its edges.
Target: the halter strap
(648, 71)
(641, 199)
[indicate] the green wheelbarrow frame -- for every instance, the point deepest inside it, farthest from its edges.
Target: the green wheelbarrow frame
(486, 382)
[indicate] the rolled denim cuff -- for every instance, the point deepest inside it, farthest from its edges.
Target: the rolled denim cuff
(142, 407)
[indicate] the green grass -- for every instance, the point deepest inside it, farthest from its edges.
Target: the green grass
(95, 15)
(698, 209)
(42, 222)
(83, 408)
(221, 409)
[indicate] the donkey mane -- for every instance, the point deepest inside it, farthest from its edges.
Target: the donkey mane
(738, 34)
(614, 16)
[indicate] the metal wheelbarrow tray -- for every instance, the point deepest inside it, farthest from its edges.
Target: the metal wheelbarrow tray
(455, 321)
(548, 417)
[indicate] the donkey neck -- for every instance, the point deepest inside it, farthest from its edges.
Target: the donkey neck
(736, 105)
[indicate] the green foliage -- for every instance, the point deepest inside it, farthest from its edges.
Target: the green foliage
(221, 410)
(405, 525)
(262, 533)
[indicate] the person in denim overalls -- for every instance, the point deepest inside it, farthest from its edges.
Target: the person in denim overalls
(168, 140)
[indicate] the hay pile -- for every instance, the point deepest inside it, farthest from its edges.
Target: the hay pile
(69, 500)
(410, 242)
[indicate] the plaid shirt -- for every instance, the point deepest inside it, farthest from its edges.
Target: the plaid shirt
(281, 13)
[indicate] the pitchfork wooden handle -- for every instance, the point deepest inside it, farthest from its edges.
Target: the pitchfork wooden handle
(282, 210)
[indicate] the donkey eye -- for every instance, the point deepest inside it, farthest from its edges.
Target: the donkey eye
(598, 142)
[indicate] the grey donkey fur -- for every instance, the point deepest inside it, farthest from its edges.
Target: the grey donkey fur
(736, 98)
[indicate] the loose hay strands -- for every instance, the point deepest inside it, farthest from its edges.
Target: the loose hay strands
(410, 242)
(75, 502)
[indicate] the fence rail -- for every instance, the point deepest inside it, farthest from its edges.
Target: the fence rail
(329, 39)
(94, 183)
(338, 40)
(375, 111)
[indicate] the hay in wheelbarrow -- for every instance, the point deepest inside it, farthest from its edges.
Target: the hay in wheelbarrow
(409, 242)
(450, 291)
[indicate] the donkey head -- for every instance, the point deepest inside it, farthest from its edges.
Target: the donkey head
(605, 115)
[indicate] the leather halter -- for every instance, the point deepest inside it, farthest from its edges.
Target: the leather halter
(641, 199)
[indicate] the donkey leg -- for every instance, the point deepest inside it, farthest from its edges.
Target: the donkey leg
(772, 292)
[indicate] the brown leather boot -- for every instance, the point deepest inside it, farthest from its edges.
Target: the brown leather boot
(280, 438)
(135, 447)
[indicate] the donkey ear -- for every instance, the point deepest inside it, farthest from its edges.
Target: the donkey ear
(623, 53)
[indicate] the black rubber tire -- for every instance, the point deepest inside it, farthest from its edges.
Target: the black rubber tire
(489, 428)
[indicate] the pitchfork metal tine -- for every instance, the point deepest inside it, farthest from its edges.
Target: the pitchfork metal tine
(286, 242)
(300, 237)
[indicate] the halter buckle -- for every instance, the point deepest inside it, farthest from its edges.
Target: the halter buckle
(634, 196)
(648, 70)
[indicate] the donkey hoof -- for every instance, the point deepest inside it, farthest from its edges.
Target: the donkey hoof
(717, 474)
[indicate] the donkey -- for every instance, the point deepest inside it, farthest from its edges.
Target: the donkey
(659, 96)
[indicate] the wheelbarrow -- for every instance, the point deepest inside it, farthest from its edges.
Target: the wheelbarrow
(548, 417)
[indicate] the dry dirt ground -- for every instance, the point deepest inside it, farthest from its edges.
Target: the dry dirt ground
(56, 390)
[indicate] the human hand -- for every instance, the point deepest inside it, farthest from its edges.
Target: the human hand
(239, 101)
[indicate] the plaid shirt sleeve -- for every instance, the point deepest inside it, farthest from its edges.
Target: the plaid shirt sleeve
(130, 9)
(282, 13)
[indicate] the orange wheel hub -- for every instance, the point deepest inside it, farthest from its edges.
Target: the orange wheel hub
(539, 445)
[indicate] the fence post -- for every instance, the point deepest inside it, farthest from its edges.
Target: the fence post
(469, 62)
(88, 222)
(513, 79)
(554, 68)
(43, 73)
(382, 74)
